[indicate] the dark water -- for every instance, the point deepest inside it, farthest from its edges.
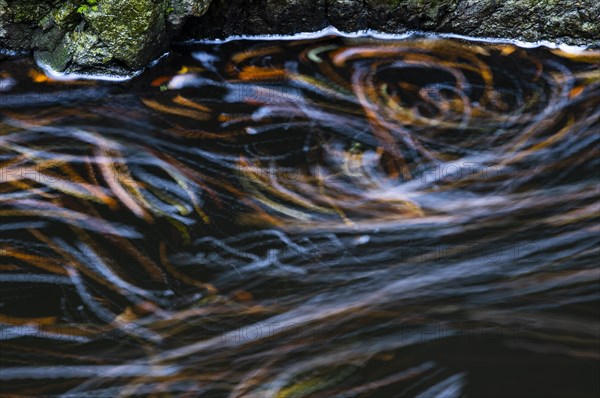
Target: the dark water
(312, 218)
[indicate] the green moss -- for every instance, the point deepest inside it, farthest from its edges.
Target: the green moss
(58, 59)
(131, 30)
(89, 5)
(29, 10)
(87, 49)
(66, 16)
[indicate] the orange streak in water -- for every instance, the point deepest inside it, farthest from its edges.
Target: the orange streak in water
(258, 73)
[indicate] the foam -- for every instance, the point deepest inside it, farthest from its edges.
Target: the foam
(329, 31)
(332, 31)
(56, 75)
(11, 53)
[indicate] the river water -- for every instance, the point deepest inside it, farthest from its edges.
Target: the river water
(348, 217)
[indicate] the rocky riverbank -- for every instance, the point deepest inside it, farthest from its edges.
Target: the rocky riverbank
(124, 35)
(94, 35)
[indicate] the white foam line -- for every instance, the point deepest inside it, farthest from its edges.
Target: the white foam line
(520, 43)
(56, 75)
(390, 36)
(11, 53)
(329, 31)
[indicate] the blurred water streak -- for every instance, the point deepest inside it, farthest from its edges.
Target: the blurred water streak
(336, 216)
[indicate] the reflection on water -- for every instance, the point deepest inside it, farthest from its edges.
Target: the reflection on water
(326, 217)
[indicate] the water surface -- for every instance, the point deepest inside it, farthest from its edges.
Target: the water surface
(333, 216)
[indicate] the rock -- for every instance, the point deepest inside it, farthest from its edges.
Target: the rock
(124, 35)
(181, 9)
(572, 22)
(66, 15)
(131, 32)
(58, 58)
(18, 20)
(562, 21)
(94, 35)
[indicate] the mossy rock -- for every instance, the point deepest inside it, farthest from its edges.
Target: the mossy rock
(178, 10)
(82, 35)
(66, 15)
(87, 50)
(57, 59)
(24, 11)
(131, 30)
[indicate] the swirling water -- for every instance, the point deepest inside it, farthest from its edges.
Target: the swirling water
(344, 217)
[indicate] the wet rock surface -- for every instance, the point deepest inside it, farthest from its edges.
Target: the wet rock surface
(121, 36)
(113, 36)
(571, 22)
